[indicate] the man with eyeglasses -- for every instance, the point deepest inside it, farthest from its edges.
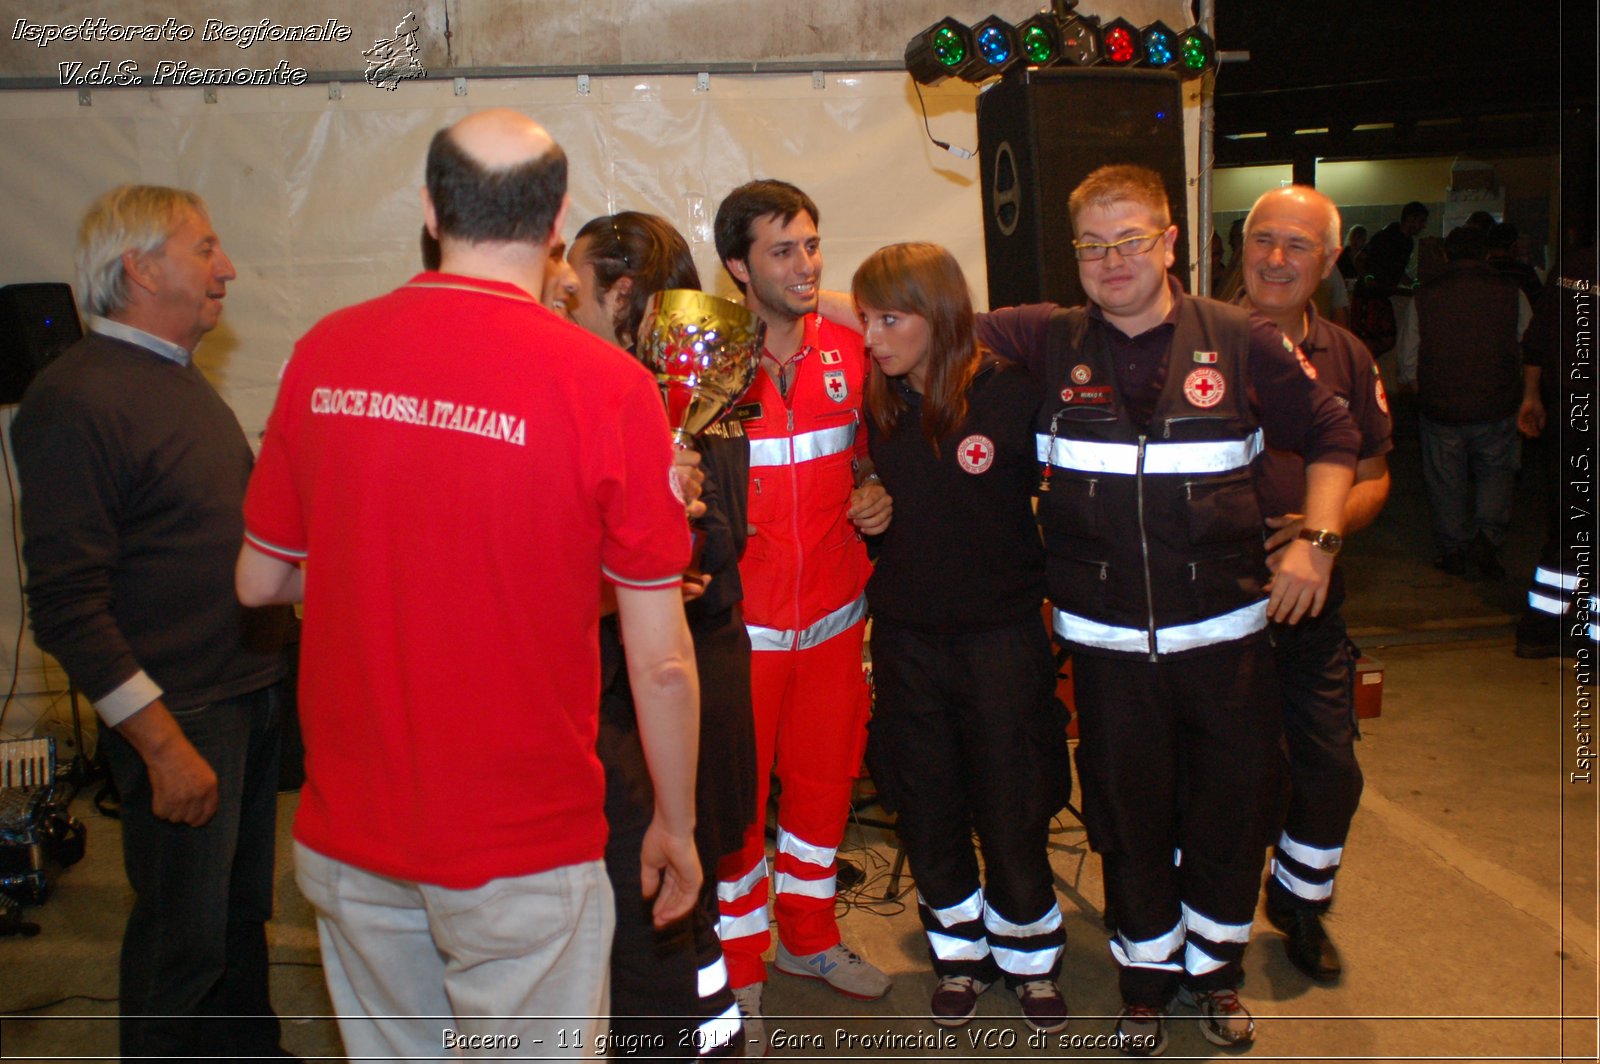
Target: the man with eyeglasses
(1157, 404)
(1291, 243)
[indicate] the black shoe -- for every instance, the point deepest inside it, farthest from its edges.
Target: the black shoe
(1486, 556)
(1453, 562)
(1306, 943)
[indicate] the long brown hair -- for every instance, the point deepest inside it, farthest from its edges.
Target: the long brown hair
(926, 280)
(642, 247)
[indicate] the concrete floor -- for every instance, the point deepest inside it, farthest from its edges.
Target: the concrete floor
(1467, 908)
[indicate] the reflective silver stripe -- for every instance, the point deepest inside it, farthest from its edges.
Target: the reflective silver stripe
(802, 446)
(795, 846)
(1300, 888)
(733, 890)
(1594, 633)
(772, 452)
(1026, 962)
(1546, 604)
(1089, 456)
(951, 948)
(1148, 952)
(789, 883)
(1126, 960)
(1197, 961)
(1310, 856)
(996, 924)
(962, 912)
(711, 978)
(1222, 628)
(1214, 930)
(719, 1032)
(751, 923)
(1553, 578)
(840, 620)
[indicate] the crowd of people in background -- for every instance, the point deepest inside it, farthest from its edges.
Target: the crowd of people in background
(475, 468)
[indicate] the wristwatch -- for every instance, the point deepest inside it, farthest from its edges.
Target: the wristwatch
(1322, 539)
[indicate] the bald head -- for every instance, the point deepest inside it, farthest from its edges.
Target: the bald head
(496, 177)
(1291, 242)
(1310, 207)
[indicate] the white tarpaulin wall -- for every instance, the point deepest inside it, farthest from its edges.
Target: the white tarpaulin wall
(316, 198)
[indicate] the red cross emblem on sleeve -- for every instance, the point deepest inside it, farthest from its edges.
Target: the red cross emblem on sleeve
(976, 453)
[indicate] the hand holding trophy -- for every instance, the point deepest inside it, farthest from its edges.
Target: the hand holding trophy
(704, 351)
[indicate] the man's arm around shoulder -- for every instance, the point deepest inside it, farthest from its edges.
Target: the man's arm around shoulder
(666, 697)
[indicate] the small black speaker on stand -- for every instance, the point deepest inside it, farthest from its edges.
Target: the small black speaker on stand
(1040, 133)
(36, 322)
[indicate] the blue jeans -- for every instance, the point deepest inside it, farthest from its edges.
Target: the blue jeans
(196, 941)
(1470, 472)
(516, 967)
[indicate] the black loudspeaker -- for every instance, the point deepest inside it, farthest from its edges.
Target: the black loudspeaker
(37, 321)
(1040, 133)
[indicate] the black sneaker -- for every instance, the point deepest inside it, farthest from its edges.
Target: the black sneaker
(1223, 1018)
(1305, 941)
(1043, 1006)
(1141, 1031)
(955, 1000)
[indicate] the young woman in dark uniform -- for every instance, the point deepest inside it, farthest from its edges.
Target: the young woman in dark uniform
(966, 733)
(669, 988)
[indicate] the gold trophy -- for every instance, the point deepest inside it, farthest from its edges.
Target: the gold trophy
(704, 351)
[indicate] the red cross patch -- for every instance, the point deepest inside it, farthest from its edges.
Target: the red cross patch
(1080, 374)
(975, 454)
(1204, 387)
(833, 380)
(1382, 396)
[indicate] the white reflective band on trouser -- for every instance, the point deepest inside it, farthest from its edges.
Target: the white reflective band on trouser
(1026, 962)
(788, 883)
(776, 451)
(1545, 604)
(795, 846)
(1197, 961)
(1310, 856)
(1149, 953)
(751, 923)
(996, 924)
(1552, 578)
(1216, 932)
(961, 912)
(838, 621)
(738, 888)
(1299, 887)
(1210, 456)
(718, 1033)
(712, 977)
(1223, 628)
(951, 948)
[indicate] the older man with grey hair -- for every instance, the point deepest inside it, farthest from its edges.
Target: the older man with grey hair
(133, 474)
(1291, 245)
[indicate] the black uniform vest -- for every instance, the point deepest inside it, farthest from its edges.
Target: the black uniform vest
(1154, 538)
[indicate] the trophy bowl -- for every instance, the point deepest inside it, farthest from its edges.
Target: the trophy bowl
(704, 351)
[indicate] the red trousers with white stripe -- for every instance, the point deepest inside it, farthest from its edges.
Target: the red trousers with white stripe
(810, 712)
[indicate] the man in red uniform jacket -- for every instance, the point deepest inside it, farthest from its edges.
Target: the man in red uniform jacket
(804, 572)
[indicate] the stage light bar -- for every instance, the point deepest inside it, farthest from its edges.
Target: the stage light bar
(997, 49)
(1080, 42)
(1121, 41)
(1159, 44)
(1040, 37)
(943, 50)
(1197, 52)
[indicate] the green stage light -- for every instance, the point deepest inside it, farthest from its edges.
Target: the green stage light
(1041, 40)
(1197, 52)
(943, 50)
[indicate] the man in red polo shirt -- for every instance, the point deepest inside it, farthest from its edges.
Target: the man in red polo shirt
(458, 469)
